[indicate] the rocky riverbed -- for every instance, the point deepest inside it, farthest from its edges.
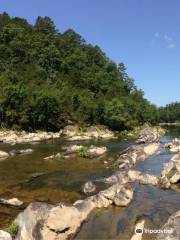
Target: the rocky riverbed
(44, 220)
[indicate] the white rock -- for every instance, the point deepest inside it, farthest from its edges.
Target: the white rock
(11, 202)
(5, 235)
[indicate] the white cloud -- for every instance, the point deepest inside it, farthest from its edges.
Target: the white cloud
(165, 39)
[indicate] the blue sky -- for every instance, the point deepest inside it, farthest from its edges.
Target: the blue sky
(144, 34)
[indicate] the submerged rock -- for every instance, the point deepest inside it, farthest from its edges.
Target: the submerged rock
(22, 151)
(171, 229)
(89, 187)
(12, 202)
(57, 155)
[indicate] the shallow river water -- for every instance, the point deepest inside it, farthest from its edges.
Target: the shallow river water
(61, 181)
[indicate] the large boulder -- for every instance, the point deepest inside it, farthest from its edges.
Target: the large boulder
(149, 134)
(170, 172)
(31, 220)
(171, 229)
(76, 133)
(173, 146)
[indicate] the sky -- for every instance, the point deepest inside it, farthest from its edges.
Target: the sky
(143, 34)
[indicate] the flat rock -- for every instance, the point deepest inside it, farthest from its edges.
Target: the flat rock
(12, 202)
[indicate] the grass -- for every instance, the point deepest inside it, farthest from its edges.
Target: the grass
(83, 152)
(12, 228)
(170, 174)
(80, 132)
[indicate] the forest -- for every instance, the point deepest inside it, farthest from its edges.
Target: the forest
(49, 78)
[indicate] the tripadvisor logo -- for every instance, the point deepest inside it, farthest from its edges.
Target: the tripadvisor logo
(138, 231)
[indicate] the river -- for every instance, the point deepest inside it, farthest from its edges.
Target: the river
(61, 181)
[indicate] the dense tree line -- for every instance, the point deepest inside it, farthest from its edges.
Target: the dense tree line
(170, 113)
(49, 78)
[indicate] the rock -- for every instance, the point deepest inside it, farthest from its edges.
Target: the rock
(173, 146)
(36, 175)
(12, 202)
(151, 148)
(75, 133)
(142, 178)
(23, 151)
(170, 172)
(13, 137)
(164, 183)
(45, 221)
(89, 187)
(58, 155)
(61, 222)
(70, 131)
(123, 197)
(134, 175)
(117, 194)
(149, 134)
(171, 230)
(4, 154)
(5, 235)
(79, 138)
(138, 230)
(94, 152)
(31, 220)
(90, 152)
(73, 149)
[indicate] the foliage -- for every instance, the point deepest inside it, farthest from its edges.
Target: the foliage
(49, 78)
(170, 113)
(83, 152)
(12, 228)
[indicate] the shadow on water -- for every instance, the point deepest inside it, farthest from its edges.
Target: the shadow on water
(150, 203)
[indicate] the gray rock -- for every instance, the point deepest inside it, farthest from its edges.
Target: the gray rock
(171, 230)
(89, 187)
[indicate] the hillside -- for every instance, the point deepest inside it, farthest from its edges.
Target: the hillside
(49, 78)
